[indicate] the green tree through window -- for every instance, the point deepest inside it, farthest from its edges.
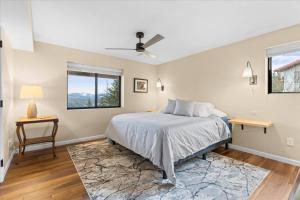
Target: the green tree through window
(111, 96)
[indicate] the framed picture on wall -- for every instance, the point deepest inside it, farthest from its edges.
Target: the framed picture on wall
(140, 85)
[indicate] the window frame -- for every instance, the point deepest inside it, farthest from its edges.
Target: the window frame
(95, 75)
(270, 80)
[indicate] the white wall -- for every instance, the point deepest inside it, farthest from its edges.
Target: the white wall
(47, 66)
(7, 120)
(216, 76)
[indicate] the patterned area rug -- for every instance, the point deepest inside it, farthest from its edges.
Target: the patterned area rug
(114, 172)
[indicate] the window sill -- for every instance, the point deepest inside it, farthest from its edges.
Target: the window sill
(93, 108)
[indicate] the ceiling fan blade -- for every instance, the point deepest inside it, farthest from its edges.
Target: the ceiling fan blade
(149, 54)
(153, 40)
(119, 49)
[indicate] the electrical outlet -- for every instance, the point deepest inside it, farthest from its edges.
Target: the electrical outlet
(290, 141)
(10, 143)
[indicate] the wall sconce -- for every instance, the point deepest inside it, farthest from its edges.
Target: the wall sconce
(248, 73)
(160, 85)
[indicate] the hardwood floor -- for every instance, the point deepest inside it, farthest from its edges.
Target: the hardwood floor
(40, 176)
(278, 185)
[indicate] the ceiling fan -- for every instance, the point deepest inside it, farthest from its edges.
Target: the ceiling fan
(141, 47)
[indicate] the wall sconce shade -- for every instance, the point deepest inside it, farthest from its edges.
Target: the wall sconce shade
(31, 92)
(248, 73)
(160, 85)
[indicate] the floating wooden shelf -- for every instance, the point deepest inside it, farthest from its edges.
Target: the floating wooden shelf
(152, 110)
(249, 122)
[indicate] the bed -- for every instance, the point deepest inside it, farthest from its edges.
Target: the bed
(167, 139)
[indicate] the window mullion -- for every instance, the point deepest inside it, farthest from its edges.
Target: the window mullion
(270, 90)
(96, 90)
(120, 91)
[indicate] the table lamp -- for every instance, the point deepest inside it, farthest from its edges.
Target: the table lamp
(31, 92)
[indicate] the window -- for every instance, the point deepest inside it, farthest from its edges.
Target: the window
(297, 76)
(81, 90)
(108, 91)
(284, 68)
(93, 90)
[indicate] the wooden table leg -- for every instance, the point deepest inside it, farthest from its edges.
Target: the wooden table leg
(54, 131)
(24, 139)
(53, 148)
(20, 141)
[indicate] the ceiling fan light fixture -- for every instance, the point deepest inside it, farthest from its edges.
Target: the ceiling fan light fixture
(152, 56)
(147, 53)
(140, 47)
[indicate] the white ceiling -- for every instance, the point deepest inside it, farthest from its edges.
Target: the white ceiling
(16, 19)
(188, 26)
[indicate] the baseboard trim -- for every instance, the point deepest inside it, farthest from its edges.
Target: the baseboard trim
(85, 139)
(7, 165)
(265, 155)
(64, 142)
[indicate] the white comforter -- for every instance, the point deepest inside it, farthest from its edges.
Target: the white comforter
(166, 138)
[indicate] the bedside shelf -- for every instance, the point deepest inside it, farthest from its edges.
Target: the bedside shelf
(249, 122)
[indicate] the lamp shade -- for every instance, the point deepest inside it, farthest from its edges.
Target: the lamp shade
(31, 92)
(158, 83)
(248, 73)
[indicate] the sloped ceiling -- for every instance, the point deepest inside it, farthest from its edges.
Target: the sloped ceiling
(188, 26)
(16, 19)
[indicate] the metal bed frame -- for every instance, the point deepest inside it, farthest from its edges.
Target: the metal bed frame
(202, 152)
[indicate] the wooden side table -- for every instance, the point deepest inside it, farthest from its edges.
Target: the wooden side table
(28, 141)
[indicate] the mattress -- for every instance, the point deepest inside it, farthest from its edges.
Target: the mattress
(166, 138)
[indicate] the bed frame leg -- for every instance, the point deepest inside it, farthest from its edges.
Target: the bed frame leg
(204, 156)
(226, 145)
(164, 174)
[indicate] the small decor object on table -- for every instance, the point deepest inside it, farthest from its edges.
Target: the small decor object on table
(140, 85)
(23, 141)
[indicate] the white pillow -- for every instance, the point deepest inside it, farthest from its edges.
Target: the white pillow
(185, 108)
(219, 113)
(170, 107)
(203, 109)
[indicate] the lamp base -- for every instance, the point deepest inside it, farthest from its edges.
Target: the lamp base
(31, 110)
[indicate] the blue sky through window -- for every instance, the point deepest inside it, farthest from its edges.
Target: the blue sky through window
(86, 84)
(81, 84)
